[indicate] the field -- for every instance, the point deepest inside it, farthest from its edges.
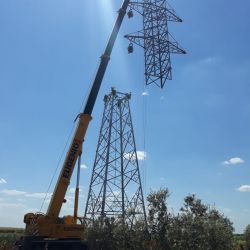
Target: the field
(8, 236)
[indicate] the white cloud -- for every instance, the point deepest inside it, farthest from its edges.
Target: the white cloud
(210, 60)
(5, 205)
(83, 166)
(31, 210)
(38, 195)
(3, 181)
(145, 93)
(47, 201)
(21, 200)
(13, 192)
(129, 155)
(226, 210)
(202, 64)
(233, 161)
(72, 190)
(244, 188)
(141, 155)
(11, 214)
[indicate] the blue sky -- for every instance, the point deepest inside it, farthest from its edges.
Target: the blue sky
(197, 136)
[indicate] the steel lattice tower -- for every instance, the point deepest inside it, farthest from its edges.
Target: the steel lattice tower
(155, 38)
(115, 189)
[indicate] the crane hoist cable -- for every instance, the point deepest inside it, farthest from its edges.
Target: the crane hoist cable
(57, 166)
(144, 127)
(65, 147)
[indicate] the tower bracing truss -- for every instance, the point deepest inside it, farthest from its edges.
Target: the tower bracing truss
(155, 39)
(115, 189)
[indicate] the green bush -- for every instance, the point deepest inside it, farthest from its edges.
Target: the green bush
(195, 227)
(8, 236)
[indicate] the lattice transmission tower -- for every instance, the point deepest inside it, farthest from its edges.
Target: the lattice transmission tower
(155, 39)
(115, 188)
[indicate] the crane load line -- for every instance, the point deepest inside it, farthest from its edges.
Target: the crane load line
(57, 166)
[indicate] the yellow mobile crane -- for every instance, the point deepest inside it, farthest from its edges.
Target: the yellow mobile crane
(49, 231)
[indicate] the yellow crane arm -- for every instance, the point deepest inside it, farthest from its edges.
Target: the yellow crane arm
(50, 225)
(76, 144)
(63, 182)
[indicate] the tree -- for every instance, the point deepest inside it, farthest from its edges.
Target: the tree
(239, 242)
(188, 229)
(158, 218)
(219, 231)
(247, 236)
(197, 226)
(99, 234)
(110, 234)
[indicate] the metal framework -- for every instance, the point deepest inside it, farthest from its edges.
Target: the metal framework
(155, 38)
(115, 189)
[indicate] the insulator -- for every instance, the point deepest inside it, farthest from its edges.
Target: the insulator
(130, 48)
(130, 14)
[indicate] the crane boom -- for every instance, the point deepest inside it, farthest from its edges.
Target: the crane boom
(105, 59)
(75, 148)
(41, 228)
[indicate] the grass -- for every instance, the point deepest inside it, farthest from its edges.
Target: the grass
(8, 236)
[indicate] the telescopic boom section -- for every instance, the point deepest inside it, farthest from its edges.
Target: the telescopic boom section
(104, 59)
(75, 148)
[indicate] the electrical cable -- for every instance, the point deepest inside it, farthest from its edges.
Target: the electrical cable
(144, 123)
(144, 119)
